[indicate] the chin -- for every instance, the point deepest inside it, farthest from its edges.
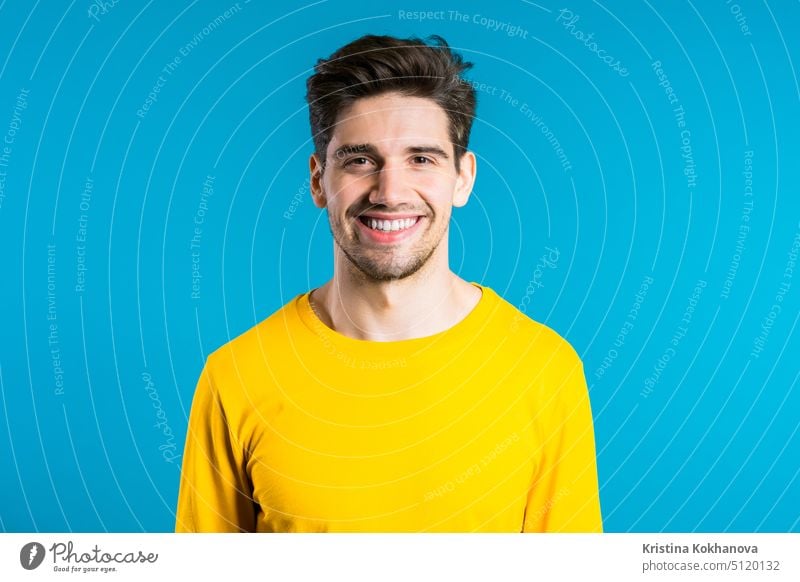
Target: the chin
(387, 274)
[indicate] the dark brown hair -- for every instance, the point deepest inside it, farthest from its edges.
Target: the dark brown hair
(372, 65)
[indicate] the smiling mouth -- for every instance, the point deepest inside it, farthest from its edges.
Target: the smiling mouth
(385, 225)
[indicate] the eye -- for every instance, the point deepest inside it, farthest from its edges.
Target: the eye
(422, 160)
(360, 161)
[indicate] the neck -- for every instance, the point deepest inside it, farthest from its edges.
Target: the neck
(430, 301)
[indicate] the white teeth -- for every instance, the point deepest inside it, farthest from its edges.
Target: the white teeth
(391, 225)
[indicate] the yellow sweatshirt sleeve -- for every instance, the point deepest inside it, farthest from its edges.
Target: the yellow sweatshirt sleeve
(215, 493)
(564, 494)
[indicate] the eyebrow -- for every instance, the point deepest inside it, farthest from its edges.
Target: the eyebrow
(354, 148)
(435, 150)
(367, 148)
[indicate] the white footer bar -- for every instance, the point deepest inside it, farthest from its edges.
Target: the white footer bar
(390, 557)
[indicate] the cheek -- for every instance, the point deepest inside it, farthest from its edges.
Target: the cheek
(441, 186)
(438, 193)
(436, 180)
(443, 215)
(345, 190)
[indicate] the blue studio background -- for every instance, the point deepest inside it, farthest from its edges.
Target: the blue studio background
(154, 204)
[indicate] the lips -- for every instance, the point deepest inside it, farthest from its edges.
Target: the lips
(388, 228)
(388, 225)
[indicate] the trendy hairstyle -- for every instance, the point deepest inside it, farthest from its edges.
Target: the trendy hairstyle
(373, 65)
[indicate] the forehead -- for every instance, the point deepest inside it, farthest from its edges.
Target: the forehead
(391, 121)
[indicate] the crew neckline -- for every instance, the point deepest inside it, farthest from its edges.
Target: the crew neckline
(463, 328)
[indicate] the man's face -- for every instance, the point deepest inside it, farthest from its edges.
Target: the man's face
(390, 183)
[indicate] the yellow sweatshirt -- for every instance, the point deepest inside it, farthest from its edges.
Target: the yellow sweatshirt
(484, 427)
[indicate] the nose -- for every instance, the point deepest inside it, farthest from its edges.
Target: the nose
(390, 188)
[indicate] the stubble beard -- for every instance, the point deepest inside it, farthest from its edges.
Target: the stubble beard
(376, 265)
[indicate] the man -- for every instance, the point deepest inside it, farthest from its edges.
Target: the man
(397, 397)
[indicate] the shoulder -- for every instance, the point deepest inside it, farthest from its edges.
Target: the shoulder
(546, 360)
(247, 350)
(524, 329)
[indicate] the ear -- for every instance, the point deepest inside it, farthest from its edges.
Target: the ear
(465, 180)
(315, 166)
